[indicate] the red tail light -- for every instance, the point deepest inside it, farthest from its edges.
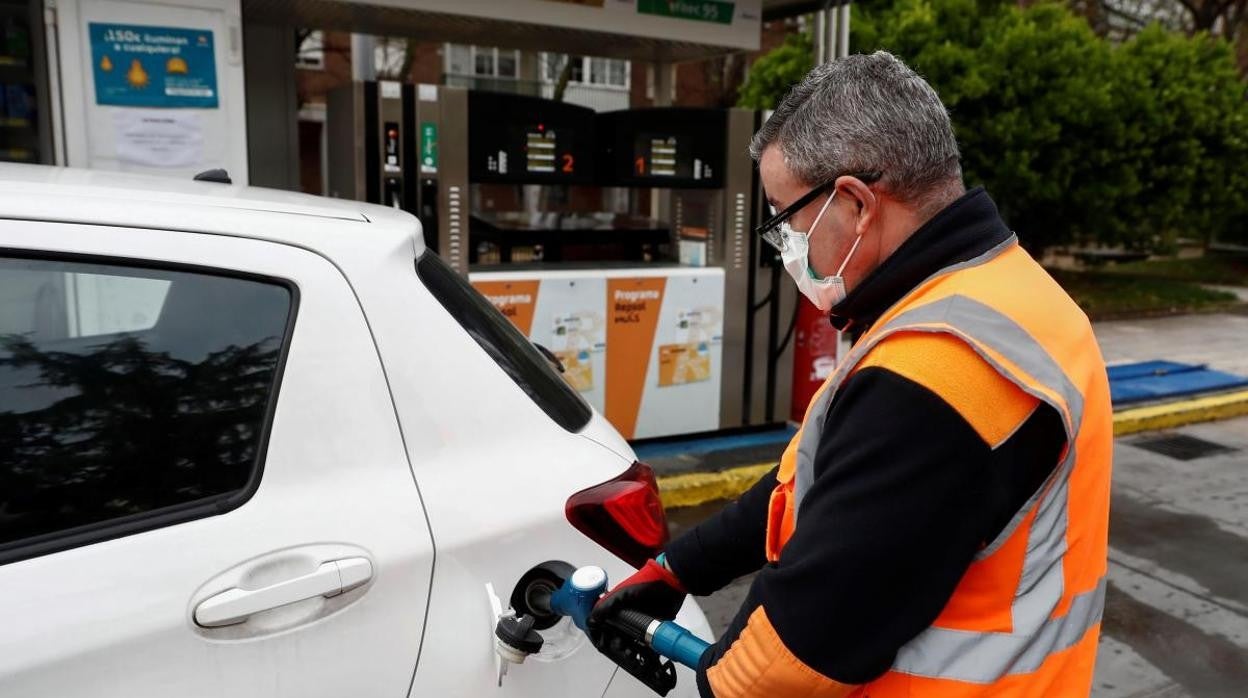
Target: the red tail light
(623, 515)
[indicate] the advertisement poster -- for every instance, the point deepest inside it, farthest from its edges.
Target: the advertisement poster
(684, 363)
(165, 67)
(576, 337)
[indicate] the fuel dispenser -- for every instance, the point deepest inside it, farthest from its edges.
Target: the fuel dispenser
(383, 149)
(620, 242)
(368, 137)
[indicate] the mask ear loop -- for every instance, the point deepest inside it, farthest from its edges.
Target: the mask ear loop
(819, 217)
(849, 256)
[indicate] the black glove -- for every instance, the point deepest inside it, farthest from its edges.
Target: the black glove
(652, 590)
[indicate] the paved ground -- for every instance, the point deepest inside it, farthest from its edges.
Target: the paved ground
(1176, 615)
(1217, 339)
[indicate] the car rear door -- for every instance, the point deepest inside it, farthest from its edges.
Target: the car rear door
(203, 486)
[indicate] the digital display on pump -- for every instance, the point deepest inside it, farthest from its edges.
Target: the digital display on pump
(662, 147)
(541, 147)
(527, 140)
(659, 155)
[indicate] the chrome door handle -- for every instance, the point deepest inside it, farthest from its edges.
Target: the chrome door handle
(237, 605)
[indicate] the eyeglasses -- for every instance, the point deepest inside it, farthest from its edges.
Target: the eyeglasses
(770, 229)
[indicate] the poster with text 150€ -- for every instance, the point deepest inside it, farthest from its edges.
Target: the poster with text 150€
(142, 66)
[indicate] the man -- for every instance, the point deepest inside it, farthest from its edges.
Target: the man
(938, 526)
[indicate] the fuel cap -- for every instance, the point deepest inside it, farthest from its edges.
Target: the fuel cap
(517, 633)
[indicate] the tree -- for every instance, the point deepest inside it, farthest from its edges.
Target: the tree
(774, 74)
(1123, 19)
(565, 75)
(1076, 138)
(1031, 108)
(1190, 101)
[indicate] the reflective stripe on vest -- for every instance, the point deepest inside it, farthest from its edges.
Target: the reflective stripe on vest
(961, 655)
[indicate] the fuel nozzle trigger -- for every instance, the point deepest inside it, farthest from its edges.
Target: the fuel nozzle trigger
(625, 646)
(638, 659)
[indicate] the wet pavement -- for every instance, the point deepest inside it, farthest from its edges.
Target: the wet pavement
(1176, 613)
(1215, 339)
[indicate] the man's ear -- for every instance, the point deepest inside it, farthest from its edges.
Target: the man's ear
(867, 203)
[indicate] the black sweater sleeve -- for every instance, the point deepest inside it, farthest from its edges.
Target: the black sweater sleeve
(905, 492)
(730, 544)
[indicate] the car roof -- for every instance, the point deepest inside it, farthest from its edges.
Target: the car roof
(41, 192)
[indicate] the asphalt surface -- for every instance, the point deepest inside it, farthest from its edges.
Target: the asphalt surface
(1176, 613)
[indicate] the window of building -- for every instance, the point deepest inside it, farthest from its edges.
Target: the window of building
(587, 70)
(508, 64)
(389, 55)
(483, 61)
(130, 398)
(459, 59)
(310, 54)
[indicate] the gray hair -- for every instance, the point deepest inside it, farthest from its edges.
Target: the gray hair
(864, 114)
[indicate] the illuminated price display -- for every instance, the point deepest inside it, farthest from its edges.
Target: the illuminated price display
(661, 159)
(538, 141)
(662, 147)
(542, 152)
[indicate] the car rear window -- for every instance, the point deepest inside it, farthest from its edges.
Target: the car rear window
(130, 397)
(505, 344)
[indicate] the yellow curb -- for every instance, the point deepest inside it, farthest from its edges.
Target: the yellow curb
(692, 489)
(1177, 414)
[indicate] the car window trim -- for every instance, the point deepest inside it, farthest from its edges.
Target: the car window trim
(213, 505)
(561, 414)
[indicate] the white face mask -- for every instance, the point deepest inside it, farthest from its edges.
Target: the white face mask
(825, 293)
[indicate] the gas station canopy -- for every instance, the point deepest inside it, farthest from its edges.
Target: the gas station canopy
(647, 30)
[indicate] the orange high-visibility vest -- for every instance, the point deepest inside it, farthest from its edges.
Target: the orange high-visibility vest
(1025, 618)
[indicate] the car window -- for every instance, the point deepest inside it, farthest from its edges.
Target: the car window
(510, 349)
(128, 394)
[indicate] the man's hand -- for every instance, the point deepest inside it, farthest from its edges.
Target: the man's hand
(652, 590)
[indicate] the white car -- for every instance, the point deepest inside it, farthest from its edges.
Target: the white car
(256, 443)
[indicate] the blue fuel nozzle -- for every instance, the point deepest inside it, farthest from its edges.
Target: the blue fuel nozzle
(677, 643)
(577, 596)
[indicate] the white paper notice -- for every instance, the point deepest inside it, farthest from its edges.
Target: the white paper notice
(159, 137)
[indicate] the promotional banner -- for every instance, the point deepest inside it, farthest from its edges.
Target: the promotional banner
(514, 299)
(644, 347)
(681, 393)
(633, 316)
(142, 66)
